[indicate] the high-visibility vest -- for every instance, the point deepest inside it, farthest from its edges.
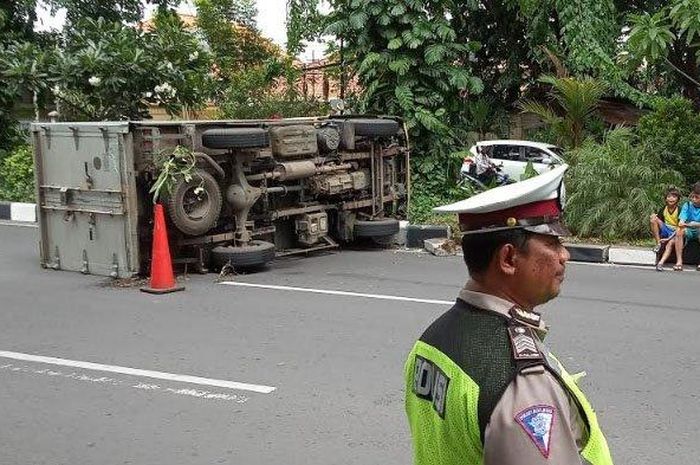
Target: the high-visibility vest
(451, 389)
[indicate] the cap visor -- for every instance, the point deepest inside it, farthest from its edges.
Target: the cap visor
(550, 229)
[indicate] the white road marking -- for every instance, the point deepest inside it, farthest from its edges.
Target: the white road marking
(341, 293)
(207, 395)
(138, 372)
(45, 371)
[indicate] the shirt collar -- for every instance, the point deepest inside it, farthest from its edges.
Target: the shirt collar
(503, 307)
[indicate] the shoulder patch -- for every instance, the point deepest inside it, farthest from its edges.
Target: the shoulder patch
(430, 383)
(537, 421)
(523, 343)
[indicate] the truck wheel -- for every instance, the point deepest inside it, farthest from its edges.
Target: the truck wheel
(194, 206)
(235, 138)
(376, 228)
(254, 254)
(375, 127)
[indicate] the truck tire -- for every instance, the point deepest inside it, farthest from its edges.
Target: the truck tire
(375, 127)
(194, 211)
(376, 228)
(235, 138)
(255, 254)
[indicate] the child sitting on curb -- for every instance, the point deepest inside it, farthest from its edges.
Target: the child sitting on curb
(688, 225)
(664, 225)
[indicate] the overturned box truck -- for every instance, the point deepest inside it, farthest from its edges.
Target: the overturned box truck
(256, 189)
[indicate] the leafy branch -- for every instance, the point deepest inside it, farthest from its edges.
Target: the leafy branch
(180, 163)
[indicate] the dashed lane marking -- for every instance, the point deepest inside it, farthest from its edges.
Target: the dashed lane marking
(138, 372)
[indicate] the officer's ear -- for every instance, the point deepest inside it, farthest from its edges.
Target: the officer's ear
(506, 259)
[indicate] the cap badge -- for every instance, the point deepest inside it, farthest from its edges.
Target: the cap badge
(511, 221)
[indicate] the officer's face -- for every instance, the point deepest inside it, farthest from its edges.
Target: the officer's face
(540, 269)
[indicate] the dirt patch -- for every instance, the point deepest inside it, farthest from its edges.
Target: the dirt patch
(124, 283)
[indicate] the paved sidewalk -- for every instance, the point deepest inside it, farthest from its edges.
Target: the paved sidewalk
(631, 256)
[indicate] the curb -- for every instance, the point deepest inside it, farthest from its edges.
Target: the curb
(416, 234)
(18, 211)
(588, 253)
(421, 235)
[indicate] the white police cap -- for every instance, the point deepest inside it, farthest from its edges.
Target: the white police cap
(535, 204)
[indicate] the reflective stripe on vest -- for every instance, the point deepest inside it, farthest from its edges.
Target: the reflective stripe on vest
(596, 451)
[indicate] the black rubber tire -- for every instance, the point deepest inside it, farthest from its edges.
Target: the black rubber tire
(235, 138)
(376, 228)
(205, 215)
(375, 127)
(255, 254)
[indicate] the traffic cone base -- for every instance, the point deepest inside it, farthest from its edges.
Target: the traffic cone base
(162, 277)
(151, 290)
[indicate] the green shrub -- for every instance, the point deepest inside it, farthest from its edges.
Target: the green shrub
(613, 187)
(17, 175)
(673, 131)
(434, 182)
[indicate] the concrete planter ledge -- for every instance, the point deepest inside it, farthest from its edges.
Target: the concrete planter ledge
(18, 211)
(588, 252)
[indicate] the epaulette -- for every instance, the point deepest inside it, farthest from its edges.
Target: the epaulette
(523, 344)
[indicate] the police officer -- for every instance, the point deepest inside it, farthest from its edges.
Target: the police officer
(481, 386)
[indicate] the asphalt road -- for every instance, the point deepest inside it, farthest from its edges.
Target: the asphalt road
(334, 360)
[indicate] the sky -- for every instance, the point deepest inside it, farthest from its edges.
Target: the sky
(271, 21)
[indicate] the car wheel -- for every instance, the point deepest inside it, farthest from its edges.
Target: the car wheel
(194, 206)
(235, 138)
(376, 228)
(254, 254)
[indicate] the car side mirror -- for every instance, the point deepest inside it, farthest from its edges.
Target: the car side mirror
(546, 161)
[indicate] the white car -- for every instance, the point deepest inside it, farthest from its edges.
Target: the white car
(512, 156)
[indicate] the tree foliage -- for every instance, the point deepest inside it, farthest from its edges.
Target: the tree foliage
(573, 103)
(17, 19)
(16, 27)
(115, 11)
(112, 71)
(304, 22)
(409, 60)
(672, 130)
(228, 26)
(670, 37)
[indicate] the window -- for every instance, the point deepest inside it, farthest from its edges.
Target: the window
(506, 152)
(534, 155)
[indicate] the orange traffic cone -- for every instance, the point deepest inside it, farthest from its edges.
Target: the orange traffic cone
(162, 278)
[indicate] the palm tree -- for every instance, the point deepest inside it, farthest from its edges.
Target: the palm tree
(573, 101)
